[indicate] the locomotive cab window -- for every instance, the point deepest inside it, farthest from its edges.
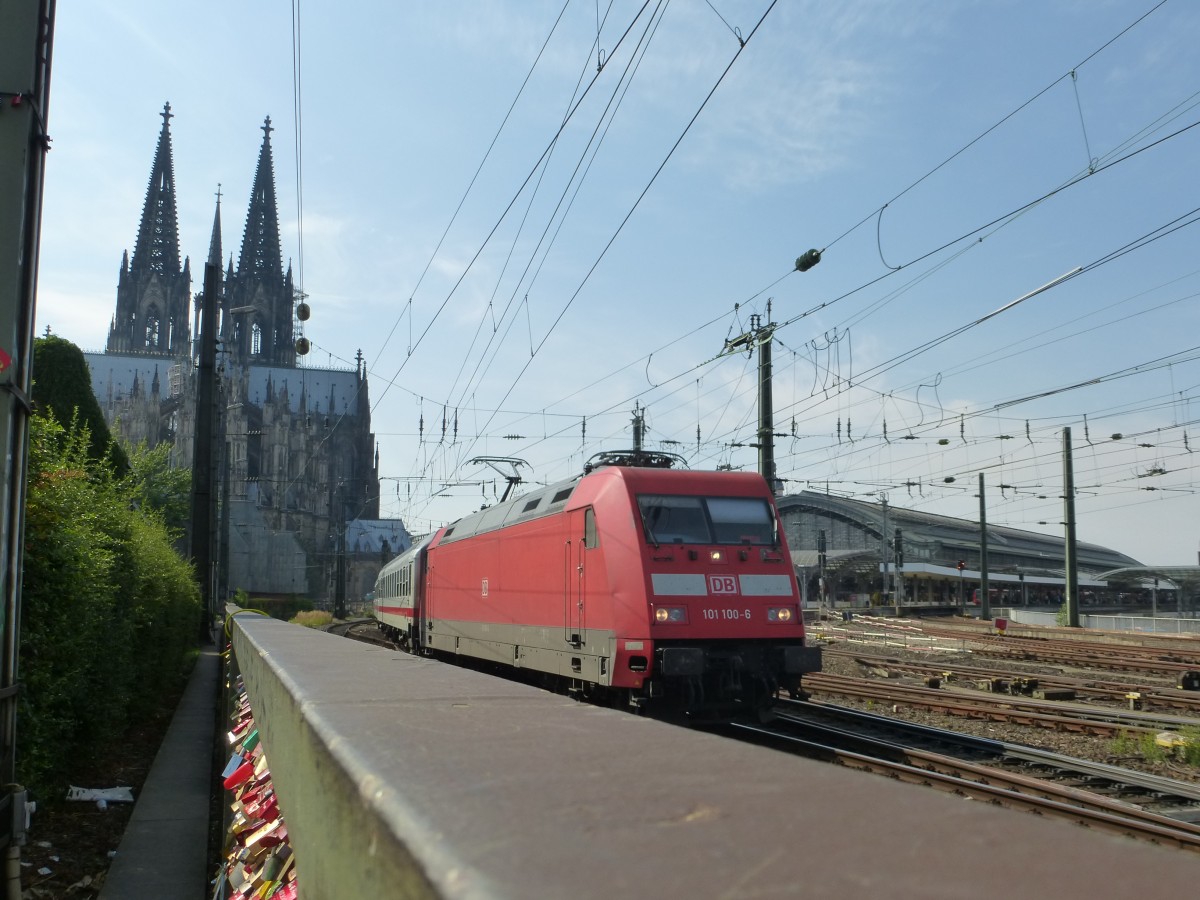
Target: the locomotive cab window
(741, 520)
(706, 520)
(674, 520)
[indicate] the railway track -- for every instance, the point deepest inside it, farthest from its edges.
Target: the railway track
(363, 630)
(1080, 718)
(1122, 657)
(1104, 797)
(1148, 695)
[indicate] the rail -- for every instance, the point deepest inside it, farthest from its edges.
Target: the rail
(1041, 796)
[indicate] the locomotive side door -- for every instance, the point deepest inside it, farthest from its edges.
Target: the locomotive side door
(420, 620)
(580, 524)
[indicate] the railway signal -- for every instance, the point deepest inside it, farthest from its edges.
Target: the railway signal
(962, 604)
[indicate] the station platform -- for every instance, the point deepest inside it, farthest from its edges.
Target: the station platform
(164, 850)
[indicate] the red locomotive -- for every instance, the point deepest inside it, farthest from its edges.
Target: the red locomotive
(642, 585)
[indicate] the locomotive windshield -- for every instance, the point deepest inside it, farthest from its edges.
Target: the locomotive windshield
(706, 520)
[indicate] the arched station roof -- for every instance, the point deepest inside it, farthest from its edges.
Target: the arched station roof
(933, 539)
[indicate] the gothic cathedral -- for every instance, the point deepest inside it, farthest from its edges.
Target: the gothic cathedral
(299, 471)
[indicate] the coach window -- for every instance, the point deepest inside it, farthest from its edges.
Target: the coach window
(591, 539)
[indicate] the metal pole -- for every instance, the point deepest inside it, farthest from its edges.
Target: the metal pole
(202, 451)
(762, 337)
(1069, 557)
(223, 551)
(26, 42)
(339, 586)
(821, 555)
(214, 484)
(766, 410)
(883, 552)
(985, 600)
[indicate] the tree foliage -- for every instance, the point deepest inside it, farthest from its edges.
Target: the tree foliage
(153, 485)
(109, 614)
(62, 386)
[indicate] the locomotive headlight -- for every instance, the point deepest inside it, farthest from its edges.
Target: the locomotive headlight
(779, 614)
(670, 615)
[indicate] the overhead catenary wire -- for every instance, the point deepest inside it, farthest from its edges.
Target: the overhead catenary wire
(652, 24)
(994, 220)
(561, 209)
(500, 219)
(1181, 221)
(1000, 122)
(664, 383)
(296, 81)
(298, 128)
(631, 210)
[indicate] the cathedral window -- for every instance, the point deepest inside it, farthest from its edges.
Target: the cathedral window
(152, 332)
(255, 339)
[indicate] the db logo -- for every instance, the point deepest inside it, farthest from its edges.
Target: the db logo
(722, 584)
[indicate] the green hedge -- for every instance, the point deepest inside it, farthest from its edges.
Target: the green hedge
(110, 612)
(63, 389)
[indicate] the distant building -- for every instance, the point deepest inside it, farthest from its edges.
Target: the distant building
(301, 459)
(859, 537)
(370, 543)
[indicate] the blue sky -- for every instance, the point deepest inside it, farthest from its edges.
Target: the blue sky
(529, 244)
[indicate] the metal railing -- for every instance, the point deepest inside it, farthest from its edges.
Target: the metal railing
(1140, 624)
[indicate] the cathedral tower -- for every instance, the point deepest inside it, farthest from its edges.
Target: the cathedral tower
(301, 470)
(256, 322)
(152, 290)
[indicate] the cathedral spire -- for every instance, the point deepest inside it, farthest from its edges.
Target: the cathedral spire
(152, 289)
(214, 259)
(261, 256)
(157, 248)
(259, 290)
(214, 242)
